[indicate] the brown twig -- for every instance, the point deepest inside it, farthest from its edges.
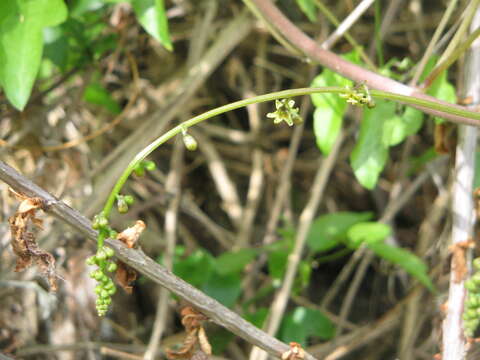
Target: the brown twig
(137, 259)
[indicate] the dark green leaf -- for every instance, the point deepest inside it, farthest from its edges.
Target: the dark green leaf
(196, 269)
(96, 94)
(308, 7)
(56, 46)
(408, 261)
(223, 288)
(304, 323)
(370, 153)
(367, 232)
(327, 231)
(258, 317)
(152, 16)
(234, 262)
(21, 43)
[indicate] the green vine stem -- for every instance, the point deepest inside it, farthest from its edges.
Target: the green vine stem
(352, 94)
(408, 100)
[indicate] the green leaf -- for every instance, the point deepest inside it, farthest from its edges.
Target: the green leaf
(308, 7)
(367, 232)
(303, 323)
(196, 269)
(397, 128)
(370, 153)
(224, 288)
(442, 89)
(258, 317)
(21, 43)
(152, 16)
(277, 262)
(234, 261)
(327, 231)
(408, 261)
(96, 94)
(78, 7)
(56, 46)
(329, 109)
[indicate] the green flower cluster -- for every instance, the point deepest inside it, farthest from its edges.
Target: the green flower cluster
(285, 111)
(105, 288)
(143, 165)
(471, 314)
(358, 95)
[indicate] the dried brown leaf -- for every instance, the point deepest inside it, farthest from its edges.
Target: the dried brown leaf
(130, 235)
(187, 348)
(203, 341)
(296, 352)
(459, 260)
(23, 241)
(125, 276)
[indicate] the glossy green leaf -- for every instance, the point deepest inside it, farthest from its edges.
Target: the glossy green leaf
(367, 232)
(328, 231)
(21, 43)
(234, 261)
(308, 7)
(277, 262)
(408, 261)
(370, 153)
(152, 16)
(329, 108)
(96, 94)
(79, 7)
(303, 323)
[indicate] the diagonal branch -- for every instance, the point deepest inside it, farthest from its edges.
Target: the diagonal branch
(148, 267)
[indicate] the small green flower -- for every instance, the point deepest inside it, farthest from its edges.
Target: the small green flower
(358, 95)
(286, 112)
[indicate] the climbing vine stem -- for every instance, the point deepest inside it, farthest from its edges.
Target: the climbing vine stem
(408, 100)
(285, 112)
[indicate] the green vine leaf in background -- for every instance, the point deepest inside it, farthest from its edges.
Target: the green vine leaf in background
(309, 9)
(303, 323)
(21, 43)
(370, 153)
(329, 108)
(329, 230)
(152, 16)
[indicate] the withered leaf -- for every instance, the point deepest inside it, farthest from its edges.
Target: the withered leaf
(23, 241)
(125, 276)
(192, 321)
(130, 235)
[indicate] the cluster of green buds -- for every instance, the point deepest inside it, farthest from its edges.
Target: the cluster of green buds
(189, 141)
(105, 288)
(285, 111)
(143, 165)
(358, 95)
(471, 313)
(123, 201)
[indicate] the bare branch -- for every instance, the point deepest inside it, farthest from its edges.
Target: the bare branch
(148, 267)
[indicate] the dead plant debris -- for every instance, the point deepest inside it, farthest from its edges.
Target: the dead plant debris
(459, 260)
(192, 320)
(24, 242)
(296, 352)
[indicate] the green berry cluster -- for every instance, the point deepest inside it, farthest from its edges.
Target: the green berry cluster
(123, 201)
(285, 111)
(471, 314)
(105, 288)
(143, 165)
(358, 95)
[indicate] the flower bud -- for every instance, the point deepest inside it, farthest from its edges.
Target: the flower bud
(190, 142)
